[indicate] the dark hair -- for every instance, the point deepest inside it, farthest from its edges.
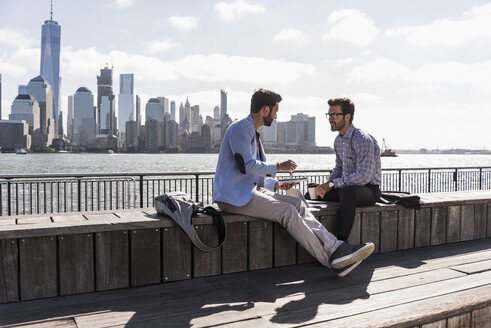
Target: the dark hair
(347, 106)
(263, 97)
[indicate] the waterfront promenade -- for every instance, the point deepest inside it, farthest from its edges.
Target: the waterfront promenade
(438, 286)
(430, 268)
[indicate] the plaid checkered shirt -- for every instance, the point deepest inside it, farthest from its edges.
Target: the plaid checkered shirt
(357, 159)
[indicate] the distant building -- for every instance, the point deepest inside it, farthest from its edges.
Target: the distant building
(196, 119)
(60, 131)
(216, 113)
(106, 119)
(173, 110)
(171, 133)
(153, 134)
(269, 134)
(69, 119)
(223, 104)
(126, 102)
(154, 124)
(154, 110)
(300, 131)
(22, 90)
(26, 108)
(165, 103)
(50, 62)
(131, 131)
(0, 97)
(14, 134)
(41, 90)
(84, 121)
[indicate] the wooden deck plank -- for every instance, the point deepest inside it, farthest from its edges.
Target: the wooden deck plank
(207, 264)
(284, 247)
(145, 257)
(260, 245)
(476, 267)
(234, 250)
(413, 314)
(111, 249)
(176, 254)
(479, 283)
(38, 273)
(268, 293)
(438, 225)
(9, 270)
(481, 317)
(76, 263)
(388, 229)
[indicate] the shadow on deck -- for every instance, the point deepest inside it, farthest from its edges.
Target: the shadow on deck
(447, 284)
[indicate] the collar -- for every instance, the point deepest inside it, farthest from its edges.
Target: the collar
(349, 132)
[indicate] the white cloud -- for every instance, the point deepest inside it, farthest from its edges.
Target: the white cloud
(14, 39)
(207, 68)
(431, 75)
(159, 46)
(122, 4)
(475, 24)
(183, 23)
(228, 11)
(377, 70)
(291, 34)
(351, 26)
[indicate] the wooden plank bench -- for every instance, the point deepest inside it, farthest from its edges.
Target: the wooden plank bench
(63, 254)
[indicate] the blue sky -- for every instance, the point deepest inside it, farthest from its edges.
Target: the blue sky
(418, 71)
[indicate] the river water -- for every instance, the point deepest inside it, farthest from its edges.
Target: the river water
(162, 163)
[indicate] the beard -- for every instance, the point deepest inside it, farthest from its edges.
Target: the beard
(268, 120)
(338, 126)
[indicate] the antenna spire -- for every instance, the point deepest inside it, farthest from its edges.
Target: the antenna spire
(51, 10)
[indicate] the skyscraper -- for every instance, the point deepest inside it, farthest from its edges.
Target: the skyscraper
(84, 127)
(42, 92)
(106, 119)
(69, 120)
(223, 104)
(50, 59)
(126, 101)
(173, 110)
(0, 97)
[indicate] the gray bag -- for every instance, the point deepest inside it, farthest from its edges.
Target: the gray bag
(181, 208)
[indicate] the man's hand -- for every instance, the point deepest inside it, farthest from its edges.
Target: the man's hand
(285, 185)
(287, 166)
(322, 189)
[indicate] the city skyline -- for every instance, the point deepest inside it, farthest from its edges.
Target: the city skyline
(417, 72)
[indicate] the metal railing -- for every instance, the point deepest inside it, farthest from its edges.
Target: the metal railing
(57, 193)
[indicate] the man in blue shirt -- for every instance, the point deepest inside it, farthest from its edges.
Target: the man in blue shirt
(245, 184)
(355, 179)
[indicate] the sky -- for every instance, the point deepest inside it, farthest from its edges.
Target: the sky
(419, 72)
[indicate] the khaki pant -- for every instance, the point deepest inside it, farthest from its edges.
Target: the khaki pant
(295, 217)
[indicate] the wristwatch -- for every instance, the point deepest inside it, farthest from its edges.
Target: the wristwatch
(331, 184)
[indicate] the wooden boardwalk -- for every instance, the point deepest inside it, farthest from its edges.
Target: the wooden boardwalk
(446, 285)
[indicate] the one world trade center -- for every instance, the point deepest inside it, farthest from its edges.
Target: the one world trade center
(50, 60)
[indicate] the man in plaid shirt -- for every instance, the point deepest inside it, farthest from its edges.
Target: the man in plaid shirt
(356, 177)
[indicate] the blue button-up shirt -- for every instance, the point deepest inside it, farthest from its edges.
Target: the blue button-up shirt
(231, 186)
(357, 159)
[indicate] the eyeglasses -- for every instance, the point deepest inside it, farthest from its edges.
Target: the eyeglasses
(334, 115)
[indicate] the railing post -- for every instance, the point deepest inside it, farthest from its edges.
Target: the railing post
(455, 180)
(480, 178)
(9, 205)
(141, 191)
(197, 187)
(79, 194)
(400, 180)
(429, 180)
